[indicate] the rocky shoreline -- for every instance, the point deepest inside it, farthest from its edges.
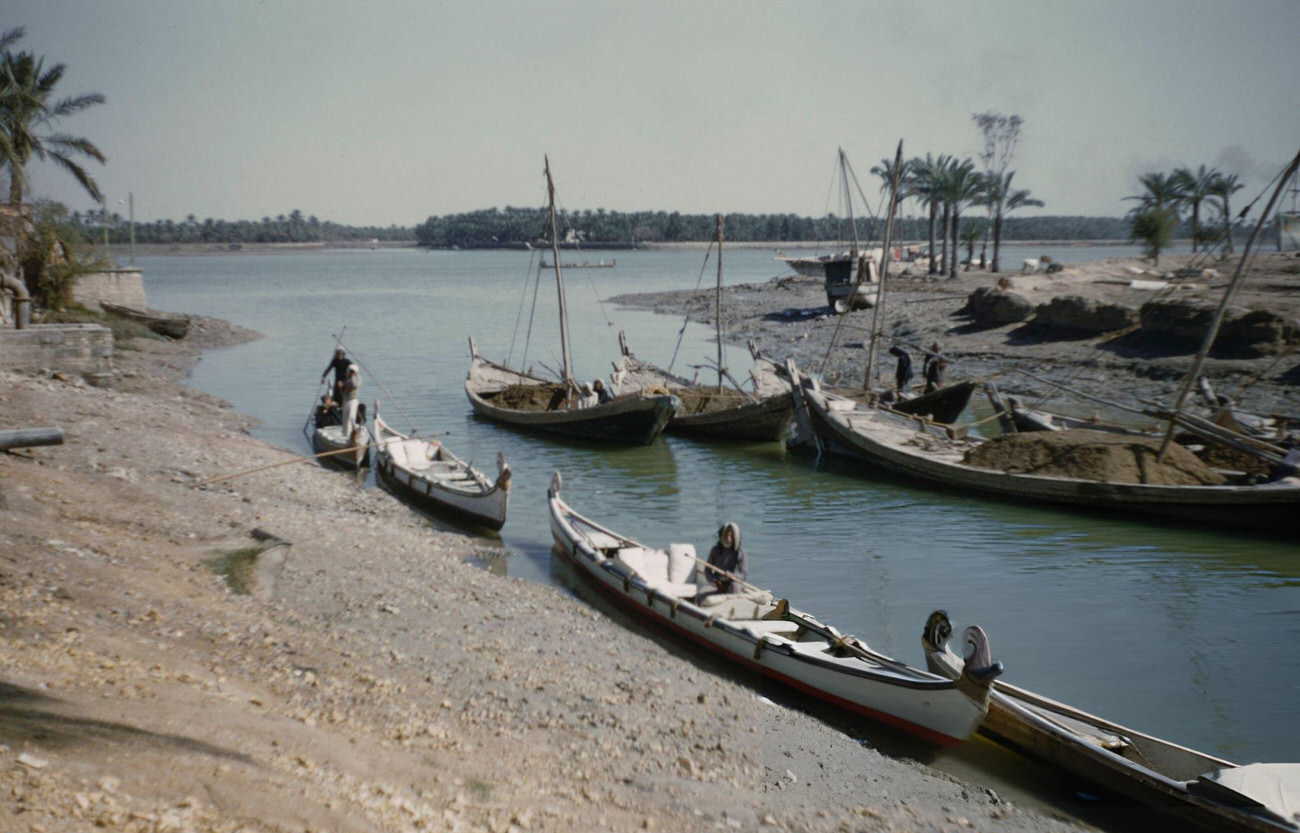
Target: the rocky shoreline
(159, 674)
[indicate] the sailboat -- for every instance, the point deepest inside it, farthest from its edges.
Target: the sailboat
(852, 280)
(763, 413)
(525, 400)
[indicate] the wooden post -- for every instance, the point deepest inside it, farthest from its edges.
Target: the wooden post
(28, 437)
(878, 313)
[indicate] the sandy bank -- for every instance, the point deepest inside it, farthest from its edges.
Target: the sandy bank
(373, 681)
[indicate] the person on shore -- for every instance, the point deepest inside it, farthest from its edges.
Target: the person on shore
(933, 367)
(727, 556)
(602, 393)
(903, 373)
(351, 390)
(339, 367)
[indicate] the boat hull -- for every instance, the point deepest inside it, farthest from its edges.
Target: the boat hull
(330, 438)
(172, 326)
(763, 421)
(922, 704)
(857, 435)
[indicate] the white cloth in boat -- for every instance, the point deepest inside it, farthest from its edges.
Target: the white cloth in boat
(1276, 786)
(671, 573)
(412, 453)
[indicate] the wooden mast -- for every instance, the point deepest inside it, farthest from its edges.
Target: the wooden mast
(717, 307)
(877, 314)
(1228, 294)
(559, 278)
(848, 199)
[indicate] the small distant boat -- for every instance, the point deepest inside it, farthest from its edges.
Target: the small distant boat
(328, 441)
(172, 325)
(429, 475)
(586, 264)
(1260, 798)
(769, 636)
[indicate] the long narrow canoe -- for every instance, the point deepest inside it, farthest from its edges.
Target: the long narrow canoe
(766, 635)
(517, 398)
(428, 474)
(172, 325)
(921, 451)
(1261, 798)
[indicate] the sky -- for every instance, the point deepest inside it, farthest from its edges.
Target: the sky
(391, 111)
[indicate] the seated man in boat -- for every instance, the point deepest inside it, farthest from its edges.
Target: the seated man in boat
(327, 412)
(602, 393)
(588, 397)
(728, 557)
(339, 365)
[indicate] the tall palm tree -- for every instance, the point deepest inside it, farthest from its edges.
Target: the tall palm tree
(1197, 186)
(926, 175)
(1157, 211)
(1005, 200)
(962, 185)
(1224, 187)
(1161, 191)
(28, 113)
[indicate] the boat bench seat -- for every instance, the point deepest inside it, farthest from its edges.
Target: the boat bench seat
(659, 569)
(750, 605)
(776, 627)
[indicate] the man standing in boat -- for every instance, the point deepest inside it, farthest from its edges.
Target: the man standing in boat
(727, 555)
(351, 389)
(339, 365)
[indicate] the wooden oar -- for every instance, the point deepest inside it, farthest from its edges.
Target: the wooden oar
(225, 477)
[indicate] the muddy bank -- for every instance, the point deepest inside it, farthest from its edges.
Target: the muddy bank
(158, 674)
(788, 317)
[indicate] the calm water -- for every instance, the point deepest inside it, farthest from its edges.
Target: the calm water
(1191, 635)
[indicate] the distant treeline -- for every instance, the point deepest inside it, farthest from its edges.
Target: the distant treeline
(290, 228)
(506, 227)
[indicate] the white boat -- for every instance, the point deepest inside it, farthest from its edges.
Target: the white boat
(333, 446)
(767, 635)
(1223, 796)
(428, 474)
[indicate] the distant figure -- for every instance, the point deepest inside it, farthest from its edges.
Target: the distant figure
(351, 390)
(932, 368)
(588, 397)
(602, 392)
(903, 374)
(727, 555)
(339, 365)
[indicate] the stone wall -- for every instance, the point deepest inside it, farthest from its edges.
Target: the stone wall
(124, 287)
(86, 349)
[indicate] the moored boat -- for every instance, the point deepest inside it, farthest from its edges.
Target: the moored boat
(426, 473)
(769, 636)
(332, 445)
(172, 325)
(1223, 795)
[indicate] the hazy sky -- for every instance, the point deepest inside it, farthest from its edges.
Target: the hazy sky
(388, 112)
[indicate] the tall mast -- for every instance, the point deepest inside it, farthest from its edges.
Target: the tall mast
(848, 199)
(717, 306)
(877, 314)
(559, 278)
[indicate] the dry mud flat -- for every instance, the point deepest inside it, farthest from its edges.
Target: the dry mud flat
(368, 679)
(1117, 360)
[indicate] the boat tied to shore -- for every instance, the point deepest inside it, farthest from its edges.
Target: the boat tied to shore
(666, 587)
(425, 472)
(1220, 795)
(526, 400)
(172, 325)
(329, 442)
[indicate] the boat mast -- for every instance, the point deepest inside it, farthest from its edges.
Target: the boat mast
(559, 278)
(1213, 332)
(848, 199)
(717, 307)
(878, 313)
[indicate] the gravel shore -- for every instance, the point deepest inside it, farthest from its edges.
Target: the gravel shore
(158, 674)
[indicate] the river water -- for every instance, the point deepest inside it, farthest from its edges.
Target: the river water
(1192, 635)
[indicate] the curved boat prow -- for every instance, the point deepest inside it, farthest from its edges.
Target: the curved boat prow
(503, 473)
(934, 638)
(980, 669)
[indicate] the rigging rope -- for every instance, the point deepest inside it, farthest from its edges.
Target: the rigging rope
(386, 391)
(699, 280)
(523, 296)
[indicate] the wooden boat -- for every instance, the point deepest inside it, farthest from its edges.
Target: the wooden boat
(763, 413)
(428, 474)
(1224, 795)
(586, 264)
(172, 325)
(770, 636)
(336, 448)
(934, 454)
(519, 398)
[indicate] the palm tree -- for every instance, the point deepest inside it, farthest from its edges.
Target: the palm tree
(28, 111)
(925, 178)
(1162, 191)
(1005, 200)
(1224, 187)
(1157, 212)
(961, 185)
(1196, 187)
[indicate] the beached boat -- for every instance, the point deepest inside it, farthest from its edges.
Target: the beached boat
(1223, 795)
(762, 413)
(172, 325)
(519, 398)
(771, 637)
(936, 454)
(332, 446)
(426, 473)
